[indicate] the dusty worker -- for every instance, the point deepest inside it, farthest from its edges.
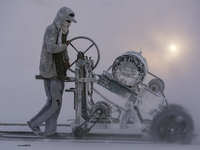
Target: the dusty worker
(54, 63)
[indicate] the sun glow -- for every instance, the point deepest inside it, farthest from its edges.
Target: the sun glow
(173, 49)
(172, 52)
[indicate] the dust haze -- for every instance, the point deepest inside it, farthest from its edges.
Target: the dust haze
(116, 26)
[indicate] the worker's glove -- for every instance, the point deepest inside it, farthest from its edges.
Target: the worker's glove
(67, 43)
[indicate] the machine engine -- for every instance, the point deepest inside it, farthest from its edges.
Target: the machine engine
(130, 68)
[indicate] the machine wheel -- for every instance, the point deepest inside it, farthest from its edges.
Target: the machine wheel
(82, 42)
(173, 125)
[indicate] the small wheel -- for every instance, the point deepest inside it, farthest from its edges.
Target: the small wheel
(84, 46)
(78, 132)
(173, 125)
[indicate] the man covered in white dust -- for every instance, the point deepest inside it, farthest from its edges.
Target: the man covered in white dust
(54, 63)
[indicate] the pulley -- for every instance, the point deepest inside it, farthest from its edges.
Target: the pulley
(156, 86)
(104, 106)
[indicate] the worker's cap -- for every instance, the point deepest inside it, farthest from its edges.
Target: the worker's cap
(71, 18)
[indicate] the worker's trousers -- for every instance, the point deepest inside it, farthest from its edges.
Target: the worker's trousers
(50, 112)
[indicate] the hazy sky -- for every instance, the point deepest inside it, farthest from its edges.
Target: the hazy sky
(167, 31)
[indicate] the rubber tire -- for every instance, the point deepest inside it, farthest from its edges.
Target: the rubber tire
(160, 124)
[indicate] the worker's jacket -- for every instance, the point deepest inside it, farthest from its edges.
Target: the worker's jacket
(52, 44)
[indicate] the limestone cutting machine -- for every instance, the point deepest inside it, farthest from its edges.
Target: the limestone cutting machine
(126, 78)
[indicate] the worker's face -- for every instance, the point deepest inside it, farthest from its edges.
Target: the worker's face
(66, 23)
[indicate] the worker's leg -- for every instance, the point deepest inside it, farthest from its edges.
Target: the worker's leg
(54, 90)
(51, 123)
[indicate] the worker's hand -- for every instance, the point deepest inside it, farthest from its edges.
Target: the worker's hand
(67, 43)
(66, 64)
